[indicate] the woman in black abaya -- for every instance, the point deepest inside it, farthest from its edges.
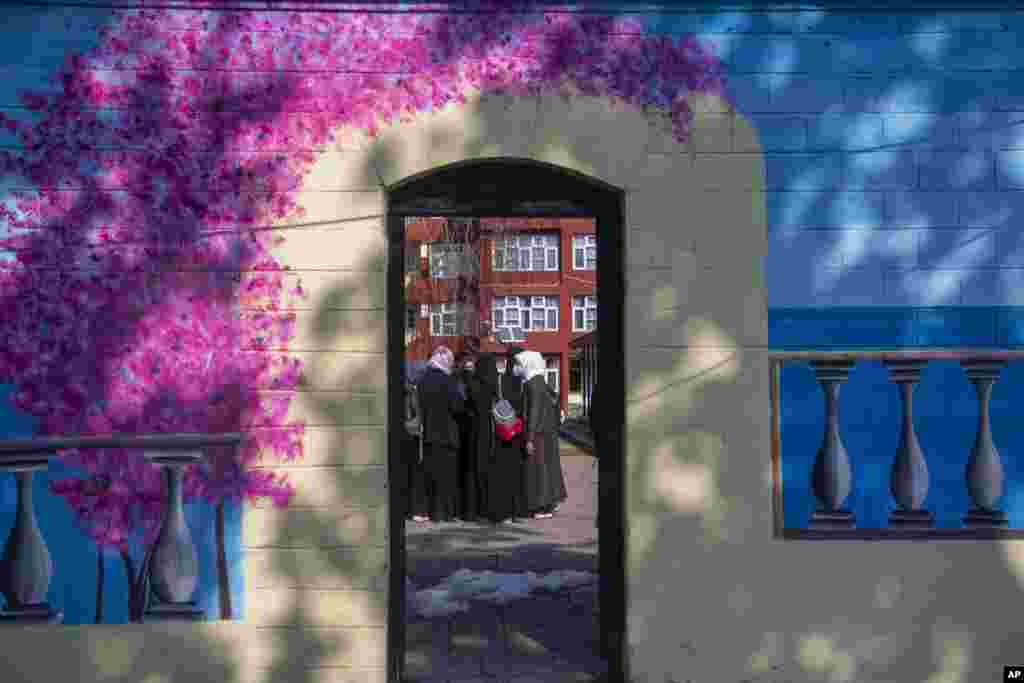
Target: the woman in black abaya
(512, 391)
(471, 484)
(498, 462)
(440, 405)
(544, 483)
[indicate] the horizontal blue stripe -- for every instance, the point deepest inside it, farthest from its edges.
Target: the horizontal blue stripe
(793, 329)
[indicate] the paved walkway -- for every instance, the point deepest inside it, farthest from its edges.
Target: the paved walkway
(544, 637)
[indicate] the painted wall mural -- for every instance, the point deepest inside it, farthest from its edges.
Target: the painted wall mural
(137, 293)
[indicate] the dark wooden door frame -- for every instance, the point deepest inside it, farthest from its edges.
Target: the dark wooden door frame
(509, 187)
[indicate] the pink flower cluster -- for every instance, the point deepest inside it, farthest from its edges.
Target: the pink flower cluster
(154, 160)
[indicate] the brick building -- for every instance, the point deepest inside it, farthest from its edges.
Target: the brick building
(537, 286)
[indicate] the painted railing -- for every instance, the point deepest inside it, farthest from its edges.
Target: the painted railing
(831, 478)
(168, 575)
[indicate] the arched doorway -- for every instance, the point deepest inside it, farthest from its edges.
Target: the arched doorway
(510, 187)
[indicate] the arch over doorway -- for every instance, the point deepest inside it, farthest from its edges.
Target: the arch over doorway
(507, 187)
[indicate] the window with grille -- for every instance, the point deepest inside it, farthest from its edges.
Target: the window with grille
(584, 252)
(552, 372)
(526, 253)
(447, 320)
(528, 313)
(584, 313)
(447, 259)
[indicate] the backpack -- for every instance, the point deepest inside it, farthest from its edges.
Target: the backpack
(507, 425)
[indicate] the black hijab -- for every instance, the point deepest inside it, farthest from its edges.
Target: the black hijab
(487, 373)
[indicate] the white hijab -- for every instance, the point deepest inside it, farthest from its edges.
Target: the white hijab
(442, 359)
(533, 364)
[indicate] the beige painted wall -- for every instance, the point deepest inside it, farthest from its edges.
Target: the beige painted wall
(696, 321)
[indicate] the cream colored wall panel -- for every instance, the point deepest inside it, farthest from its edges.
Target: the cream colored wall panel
(266, 527)
(717, 224)
(593, 135)
(711, 132)
(130, 652)
(680, 437)
(727, 171)
(659, 136)
(189, 652)
(456, 133)
(701, 103)
(337, 488)
(351, 139)
(338, 169)
(740, 228)
(349, 569)
(504, 125)
(332, 408)
(484, 126)
(720, 392)
(353, 371)
(660, 173)
(693, 305)
(657, 229)
(355, 446)
(307, 653)
(322, 675)
(343, 370)
(333, 330)
(331, 209)
(814, 611)
(430, 139)
(339, 288)
(710, 128)
(650, 249)
(317, 608)
(354, 245)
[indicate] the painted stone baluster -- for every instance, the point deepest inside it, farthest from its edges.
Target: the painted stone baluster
(174, 565)
(909, 479)
(25, 566)
(984, 471)
(831, 478)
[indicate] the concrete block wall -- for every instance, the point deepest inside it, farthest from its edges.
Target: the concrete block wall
(892, 149)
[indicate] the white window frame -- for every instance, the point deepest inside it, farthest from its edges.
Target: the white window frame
(438, 314)
(546, 305)
(552, 371)
(450, 255)
(584, 252)
(586, 306)
(513, 248)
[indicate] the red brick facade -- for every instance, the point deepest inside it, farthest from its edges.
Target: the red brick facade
(566, 282)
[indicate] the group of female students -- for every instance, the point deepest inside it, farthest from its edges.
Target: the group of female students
(460, 468)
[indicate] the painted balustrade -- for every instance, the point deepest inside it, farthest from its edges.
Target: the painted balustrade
(171, 570)
(833, 475)
(909, 480)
